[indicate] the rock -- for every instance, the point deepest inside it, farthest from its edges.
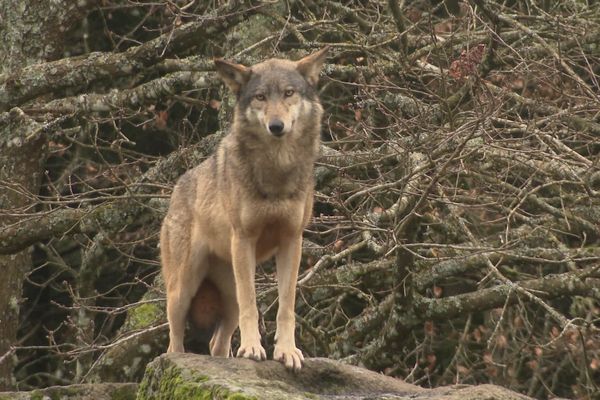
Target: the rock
(96, 391)
(179, 376)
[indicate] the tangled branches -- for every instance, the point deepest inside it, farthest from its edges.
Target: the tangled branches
(456, 236)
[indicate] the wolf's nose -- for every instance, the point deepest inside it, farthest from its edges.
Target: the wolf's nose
(276, 127)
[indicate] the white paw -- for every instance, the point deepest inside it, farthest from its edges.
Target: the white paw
(253, 351)
(290, 356)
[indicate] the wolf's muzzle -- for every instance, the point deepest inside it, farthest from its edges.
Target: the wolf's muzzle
(276, 127)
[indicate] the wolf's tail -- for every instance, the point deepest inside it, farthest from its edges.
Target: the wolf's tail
(207, 306)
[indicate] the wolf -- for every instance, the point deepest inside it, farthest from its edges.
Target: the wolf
(246, 203)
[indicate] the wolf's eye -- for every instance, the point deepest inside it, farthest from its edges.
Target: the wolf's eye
(289, 93)
(260, 97)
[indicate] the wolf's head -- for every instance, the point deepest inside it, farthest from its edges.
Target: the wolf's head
(275, 96)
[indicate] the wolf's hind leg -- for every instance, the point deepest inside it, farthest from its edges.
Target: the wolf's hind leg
(179, 298)
(220, 344)
(177, 307)
(183, 270)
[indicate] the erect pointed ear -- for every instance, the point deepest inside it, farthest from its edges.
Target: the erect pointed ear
(234, 75)
(310, 66)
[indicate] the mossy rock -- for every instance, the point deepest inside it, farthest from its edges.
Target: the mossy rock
(179, 376)
(99, 391)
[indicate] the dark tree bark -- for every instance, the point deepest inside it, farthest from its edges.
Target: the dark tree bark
(32, 32)
(22, 169)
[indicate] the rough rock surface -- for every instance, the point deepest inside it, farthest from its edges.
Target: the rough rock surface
(185, 376)
(96, 391)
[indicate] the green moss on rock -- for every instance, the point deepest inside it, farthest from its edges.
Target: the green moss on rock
(145, 315)
(99, 391)
(36, 395)
(177, 376)
(124, 393)
(163, 381)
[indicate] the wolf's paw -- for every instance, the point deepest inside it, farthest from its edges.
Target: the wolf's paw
(175, 348)
(290, 356)
(252, 351)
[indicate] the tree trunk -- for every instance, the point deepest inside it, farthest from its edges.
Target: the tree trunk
(32, 32)
(21, 167)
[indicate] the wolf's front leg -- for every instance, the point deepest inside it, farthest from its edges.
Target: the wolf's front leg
(288, 263)
(243, 255)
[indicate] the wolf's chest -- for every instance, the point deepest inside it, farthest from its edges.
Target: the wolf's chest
(284, 215)
(270, 225)
(281, 183)
(270, 239)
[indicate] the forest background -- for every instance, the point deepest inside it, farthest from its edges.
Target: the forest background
(456, 232)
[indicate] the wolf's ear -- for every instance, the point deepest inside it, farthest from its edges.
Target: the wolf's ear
(310, 66)
(234, 75)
